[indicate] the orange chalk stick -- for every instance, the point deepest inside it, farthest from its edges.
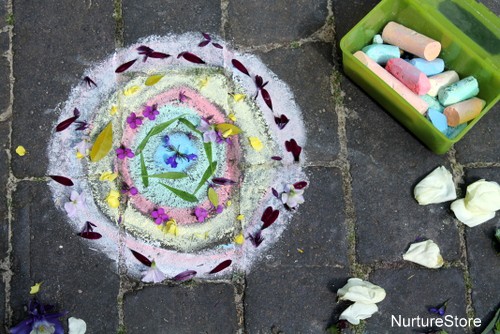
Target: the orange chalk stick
(411, 41)
(394, 83)
(464, 111)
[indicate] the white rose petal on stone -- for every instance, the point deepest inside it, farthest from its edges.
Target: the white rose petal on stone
(437, 187)
(76, 326)
(358, 311)
(357, 290)
(483, 196)
(425, 253)
(469, 217)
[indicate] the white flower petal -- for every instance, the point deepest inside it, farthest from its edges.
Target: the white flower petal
(76, 326)
(437, 187)
(357, 290)
(469, 217)
(425, 253)
(483, 196)
(357, 312)
(153, 275)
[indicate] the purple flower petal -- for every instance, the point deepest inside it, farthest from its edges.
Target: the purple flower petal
(62, 180)
(67, 122)
(240, 66)
(158, 55)
(206, 36)
(300, 185)
(191, 57)
(275, 193)
(267, 98)
(185, 275)
(142, 259)
(256, 238)
(221, 266)
(125, 66)
(281, 121)
(276, 158)
(217, 45)
(203, 44)
(294, 148)
(269, 217)
(221, 181)
(89, 81)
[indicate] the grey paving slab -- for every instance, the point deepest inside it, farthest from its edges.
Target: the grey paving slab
(150, 17)
(291, 299)
(492, 5)
(410, 292)
(254, 23)
(75, 34)
(317, 233)
(4, 73)
(482, 141)
(348, 13)
(483, 251)
(386, 163)
(75, 276)
(193, 308)
(3, 12)
(307, 71)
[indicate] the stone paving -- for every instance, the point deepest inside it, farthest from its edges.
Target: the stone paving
(359, 214)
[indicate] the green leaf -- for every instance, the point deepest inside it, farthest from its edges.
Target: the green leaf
(102, 144)
(208, 151)
(213, 197)
(495, 322)
(154, 131)
(181, 194)
(210, 170)
(144, 172)
(169, 175)
(150, 81)
(190, 125)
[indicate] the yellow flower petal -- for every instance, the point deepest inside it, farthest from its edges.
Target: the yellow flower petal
(113, 110)
(79, 155)
(108, 176)
(113, 199)
(21, 151)
(256, 143)
(171, 227)
(203, 82)
(227, 133)
(131, 91)
(239, 239)
(35, 288)
(228, 204)
(232, 117)
(240, 217)
(239, 97)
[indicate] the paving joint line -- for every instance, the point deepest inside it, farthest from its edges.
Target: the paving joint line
(119, 24)
(472, 165)
(239, 285)
(224, 20)
(7, 273)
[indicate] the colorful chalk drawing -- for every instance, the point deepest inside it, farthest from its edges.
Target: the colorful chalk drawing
(205, 151)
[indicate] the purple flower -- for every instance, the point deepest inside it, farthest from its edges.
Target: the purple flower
(209, 133)
(134, 121)
(201, 214)
(153, 274)
(219, 208)
(124, 152)
(292, 196)
(172, 160)
(39, 321)
(150, 112)
(130, 190)
(440, 309)
(256, 238)
(75, 205)
(159, 215)
(182, 97)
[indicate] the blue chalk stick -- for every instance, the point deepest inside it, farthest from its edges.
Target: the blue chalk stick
(381, 53)
(452, 132)
(438, 119)
(458, 91)
(432, 102)
(433, 67)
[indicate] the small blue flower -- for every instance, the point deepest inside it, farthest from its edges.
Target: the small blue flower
(439, 309)
(39, 322)
(172, 160)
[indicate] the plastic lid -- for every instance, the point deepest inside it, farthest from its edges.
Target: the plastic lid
(470, 20)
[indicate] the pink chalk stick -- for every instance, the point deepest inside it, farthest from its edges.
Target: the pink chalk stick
(413, 99)
(409, 75)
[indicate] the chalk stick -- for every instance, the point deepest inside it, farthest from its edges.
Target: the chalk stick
(432, 102)
(394, 83)
(458, 91)
(409, 75)
(429, 68)
(454, 131)
(411, 41)
(437, 119)
(381, 53)
(377, 39)
(464, 111)
(441, 80)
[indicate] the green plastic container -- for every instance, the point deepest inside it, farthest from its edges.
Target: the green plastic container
(470, 37)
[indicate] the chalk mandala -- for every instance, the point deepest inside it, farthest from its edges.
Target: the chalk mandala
(182, 151)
